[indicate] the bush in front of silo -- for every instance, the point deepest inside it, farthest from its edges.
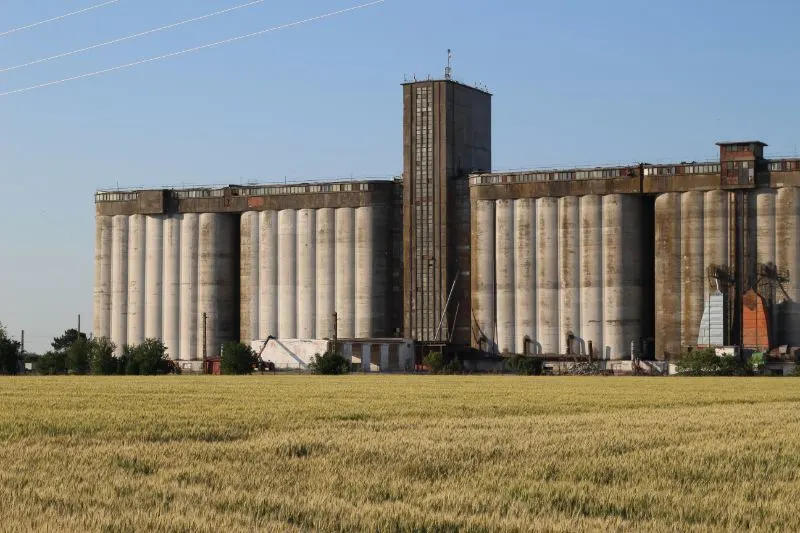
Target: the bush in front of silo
(238, 359)
(329, 363)
(524, 366)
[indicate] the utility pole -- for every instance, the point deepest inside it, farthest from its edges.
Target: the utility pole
(205, 317)
(335, 331)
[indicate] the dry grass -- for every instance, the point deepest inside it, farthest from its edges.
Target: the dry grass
(399, 453)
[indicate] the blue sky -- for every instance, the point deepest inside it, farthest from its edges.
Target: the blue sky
(575, 82)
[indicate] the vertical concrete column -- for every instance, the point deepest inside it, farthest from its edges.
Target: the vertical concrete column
(172, 286)
(207, 288)
(190, 316)
(787, 230)
(569, 261)
(248, 276)
(483, 303)
(154, 278)
(268, 274)
(136, 283)
(766, 251)
(104, 238)
(525, 274)
(119, 281)
(632, 281)
(614, 252)
(306, 273)
(365, 244)
(693, 264)
(326, 272)
(591, 273)
(504, 239)
(287, 274)
(345, 271)
(547, 282)
(215, 282)
(668, 274)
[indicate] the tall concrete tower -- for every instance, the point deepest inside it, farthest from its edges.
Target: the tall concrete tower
(446, 136)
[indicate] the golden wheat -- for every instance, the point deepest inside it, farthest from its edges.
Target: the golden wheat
(398, 453)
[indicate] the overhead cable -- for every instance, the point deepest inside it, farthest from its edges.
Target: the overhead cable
(132, 36)
(84, 10)
(194, 49)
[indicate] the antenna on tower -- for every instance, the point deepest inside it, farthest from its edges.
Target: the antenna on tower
(448, 71)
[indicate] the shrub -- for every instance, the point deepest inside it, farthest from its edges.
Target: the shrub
(524, 366)
(238, 358)
(77, 356)
(329, 363)
(101, 357)
(50, 364)
(434, 361)
(146, 359)
(705, 362)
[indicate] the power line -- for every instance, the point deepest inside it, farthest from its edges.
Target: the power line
(133, 36)
(84, 10)
(194, 49)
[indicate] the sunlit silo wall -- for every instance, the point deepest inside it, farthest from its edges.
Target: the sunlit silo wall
(693, 241)
(157, 274)
(299, 266)
(552, 269)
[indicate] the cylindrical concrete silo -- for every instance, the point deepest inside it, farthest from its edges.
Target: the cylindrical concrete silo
(190, 236)
(569, 269)
(306, 273)
(614, 250)
(172, 285)
(715, 235)
(207, 287)
(365, 245)
(136, 282)
(547, 283)
(287, 274)
(787, 229)
(765, 252)
(119, 281)
(154, 278)
(692, 269)
(102, 276)
(764, 224)
(668, 274)
(525, 274)
(504, 242)
(345, 271)
(248, 277)
(326, 272)
(268, 275)
(483, 302)
(380, 273)
(591, 273)
(216, 296)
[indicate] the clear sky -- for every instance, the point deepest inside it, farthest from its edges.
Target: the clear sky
(574, 81)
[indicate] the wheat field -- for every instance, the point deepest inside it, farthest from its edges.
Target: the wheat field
(398, 453)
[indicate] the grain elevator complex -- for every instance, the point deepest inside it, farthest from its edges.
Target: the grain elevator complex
(601, 262)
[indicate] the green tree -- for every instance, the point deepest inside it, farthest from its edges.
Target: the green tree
(62, 343)
(238, 358)
(77, 356)
(148, 358)
(9, 354)
(101, 357)
(330, 363)
(434, 361)
(51, 363)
